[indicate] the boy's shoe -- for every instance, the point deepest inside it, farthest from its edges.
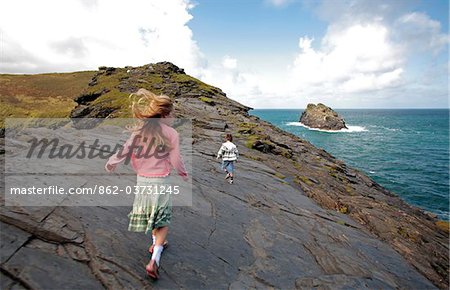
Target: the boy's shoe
(231, 181)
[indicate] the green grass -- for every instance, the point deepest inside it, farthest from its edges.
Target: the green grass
(181, 78)
(279, 175)
(251, 140)
(121, 101)
(246, 128)
(40, 96)
(207, 100)
(52, 95)
(443, 225)
(344, 209)
(303, 179)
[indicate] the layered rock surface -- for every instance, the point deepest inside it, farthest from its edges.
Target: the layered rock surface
(322, 117)
(296, 217)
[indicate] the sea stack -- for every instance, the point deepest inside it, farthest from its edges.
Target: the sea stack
(322, 117)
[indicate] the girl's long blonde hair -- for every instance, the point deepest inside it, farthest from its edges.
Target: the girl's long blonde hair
(147, 108)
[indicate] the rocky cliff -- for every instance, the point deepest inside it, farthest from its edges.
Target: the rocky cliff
(322, 117)
(296, 217)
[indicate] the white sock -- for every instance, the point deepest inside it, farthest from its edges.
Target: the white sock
(154, 239)
(157, 250)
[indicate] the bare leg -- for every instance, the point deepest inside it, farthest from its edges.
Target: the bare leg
(153, 235)
(161, 235)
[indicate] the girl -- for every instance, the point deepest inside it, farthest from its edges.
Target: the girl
(229, 153)
(153, 149)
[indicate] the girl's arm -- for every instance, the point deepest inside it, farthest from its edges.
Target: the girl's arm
(175, 157)
(120, 155)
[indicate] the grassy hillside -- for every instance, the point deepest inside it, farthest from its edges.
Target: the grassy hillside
(108, 91)
(42, 95)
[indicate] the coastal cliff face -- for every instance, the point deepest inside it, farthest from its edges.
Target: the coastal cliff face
(296, 217)
(322, 117)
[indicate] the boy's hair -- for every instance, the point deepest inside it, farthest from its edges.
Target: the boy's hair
(229, 137)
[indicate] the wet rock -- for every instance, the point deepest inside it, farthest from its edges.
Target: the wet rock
(11, 240)
(43, 271)
(219, 126)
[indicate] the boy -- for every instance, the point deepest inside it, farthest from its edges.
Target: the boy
(229, 153)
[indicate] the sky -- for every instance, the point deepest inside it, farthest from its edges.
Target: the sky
(262, 53)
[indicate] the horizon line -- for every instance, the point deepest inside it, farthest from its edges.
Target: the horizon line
(425, 108)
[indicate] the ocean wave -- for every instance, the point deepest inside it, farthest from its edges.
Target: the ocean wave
(386, 128)
(350, 129)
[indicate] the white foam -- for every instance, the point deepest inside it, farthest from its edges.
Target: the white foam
(350, 129)
(386, 128)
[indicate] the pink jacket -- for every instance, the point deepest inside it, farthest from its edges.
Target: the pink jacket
(152, 165)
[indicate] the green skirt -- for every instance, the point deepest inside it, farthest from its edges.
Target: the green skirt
(150, 210)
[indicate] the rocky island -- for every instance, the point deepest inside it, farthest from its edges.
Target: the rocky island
(296, 216)
(322, 117)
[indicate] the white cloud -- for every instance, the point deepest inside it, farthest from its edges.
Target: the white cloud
(73, 35)
(346, 64)
(231, 80)
(356, 59)
(228, 62)
(421, 33)
(371, 82)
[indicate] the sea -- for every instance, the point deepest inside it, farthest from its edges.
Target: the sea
(404, 150)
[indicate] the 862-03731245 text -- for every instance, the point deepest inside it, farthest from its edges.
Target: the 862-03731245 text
(155, 189)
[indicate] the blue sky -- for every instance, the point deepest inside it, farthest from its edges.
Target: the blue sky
(263, 53)
(246, 27)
